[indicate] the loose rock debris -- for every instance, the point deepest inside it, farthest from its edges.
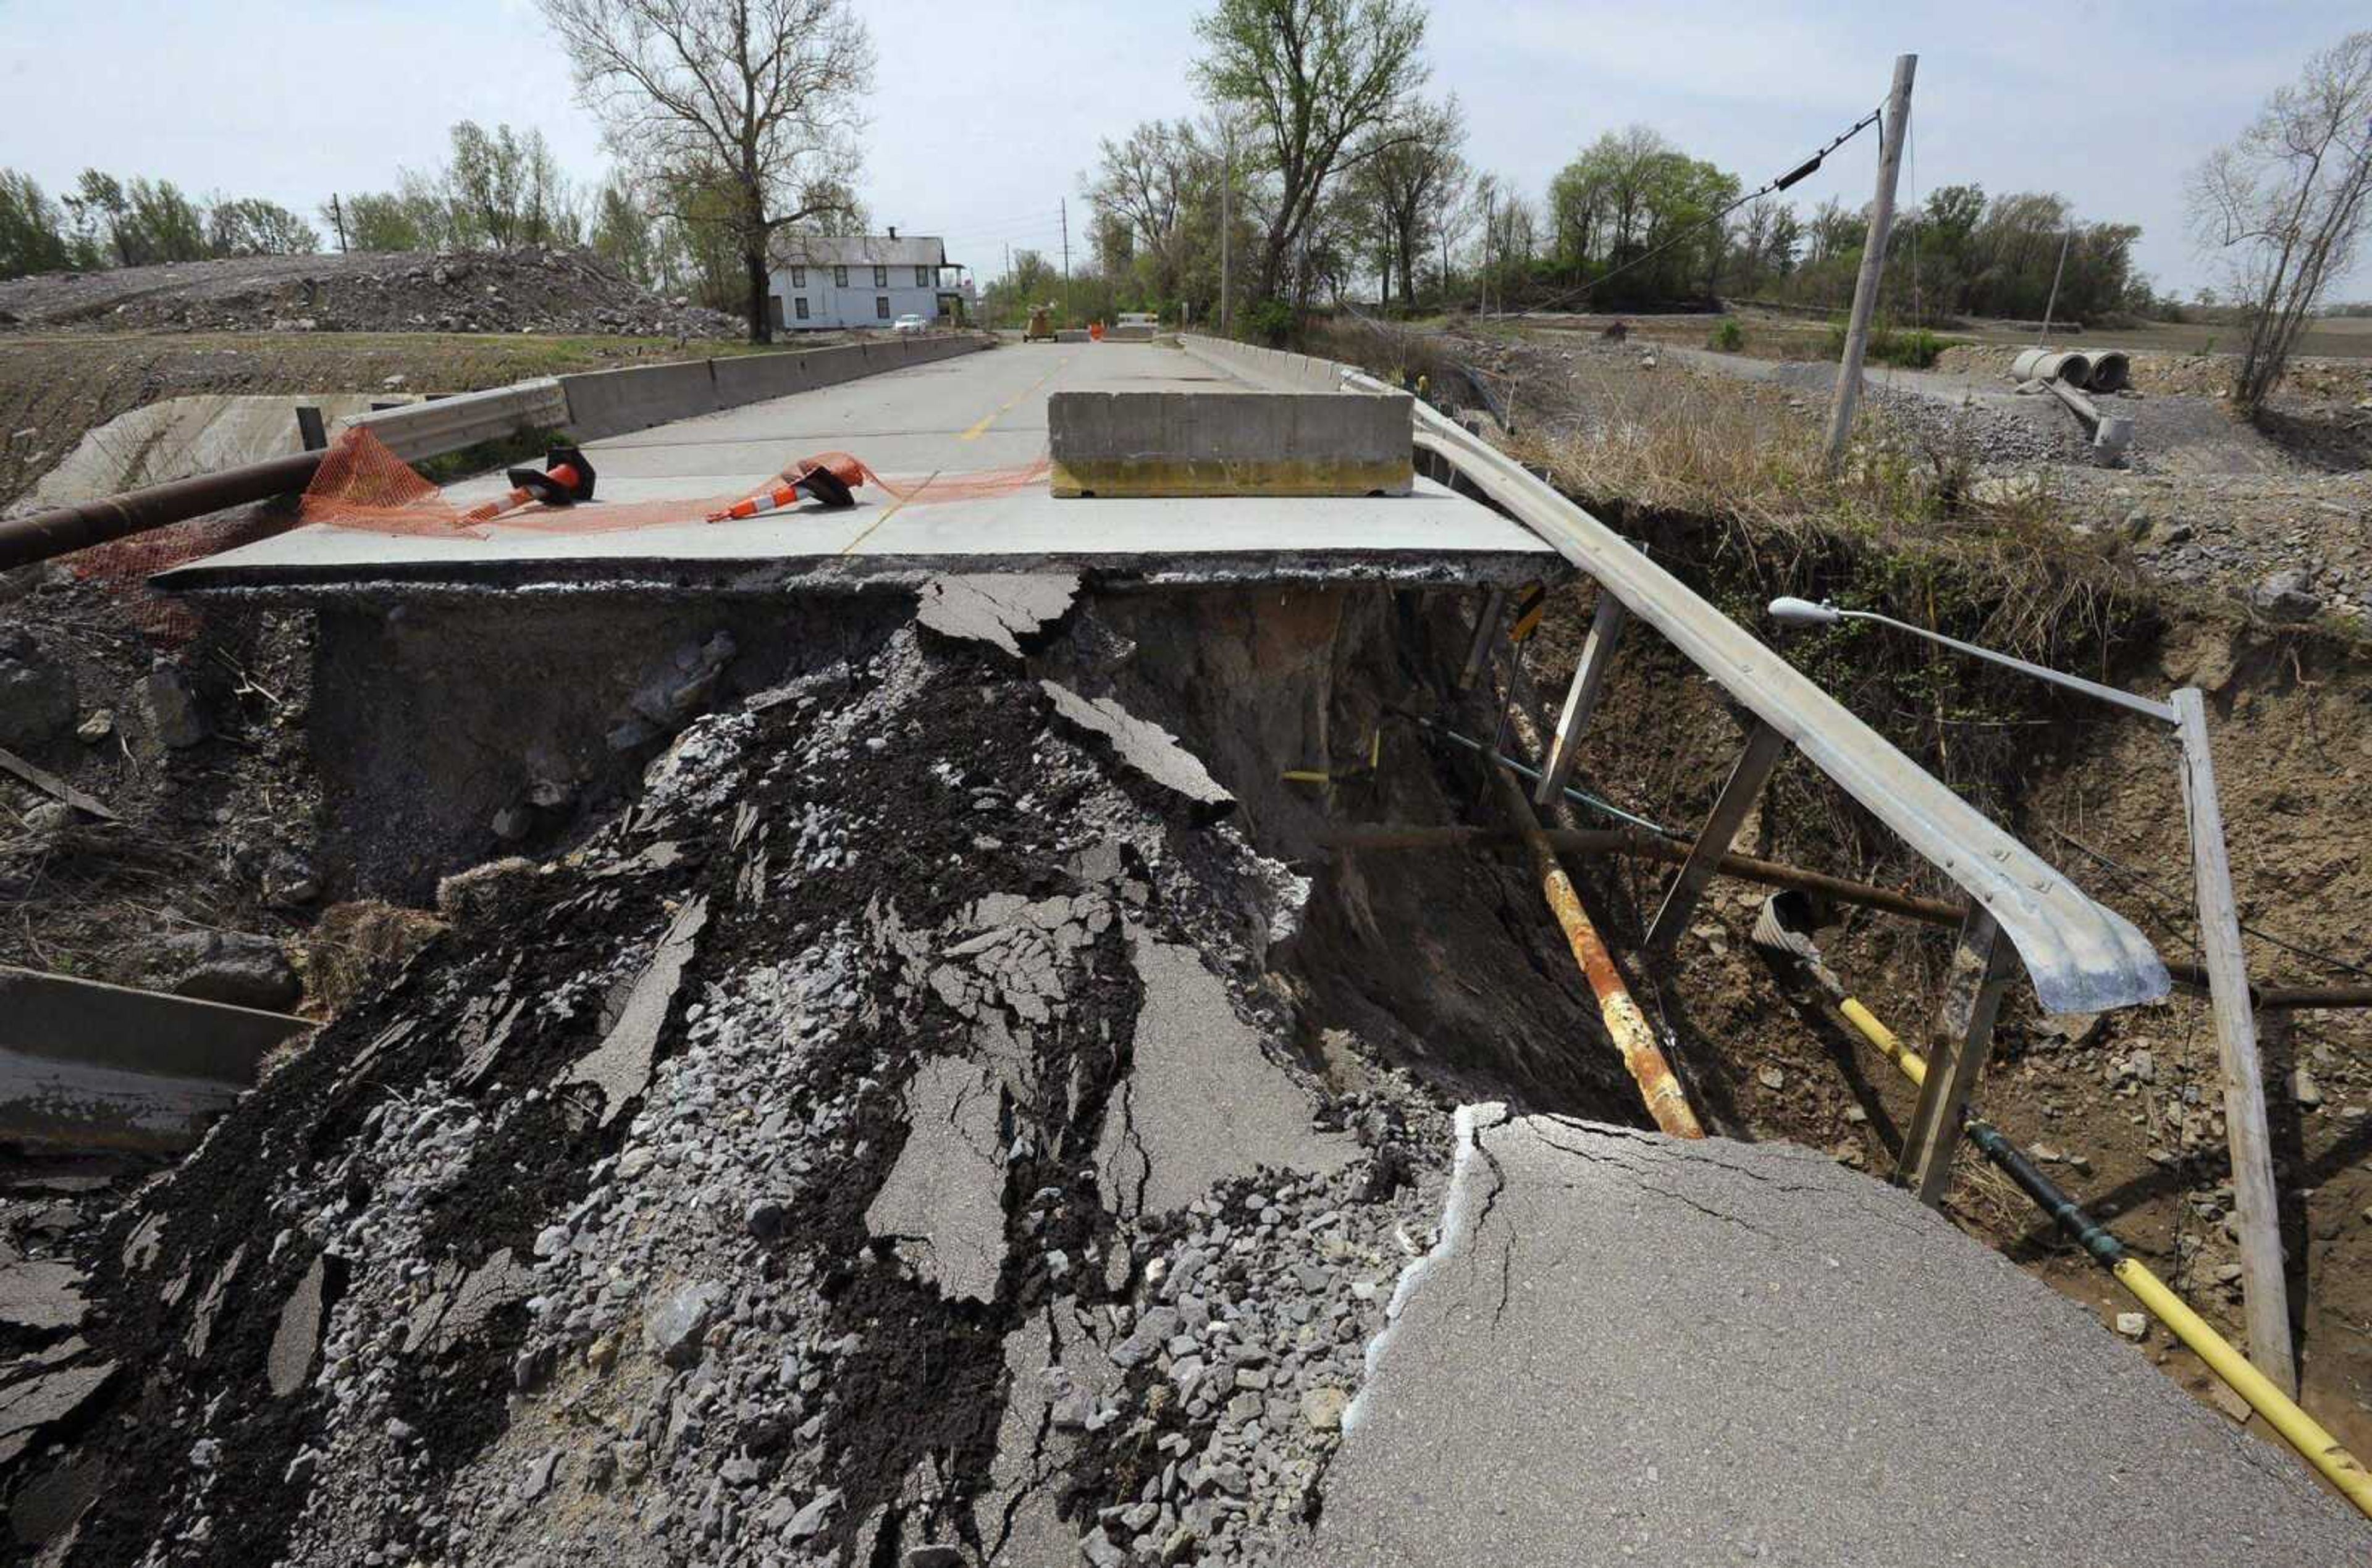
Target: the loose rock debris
(872, 1147)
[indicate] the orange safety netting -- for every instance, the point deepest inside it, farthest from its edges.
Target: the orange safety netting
(362, 485)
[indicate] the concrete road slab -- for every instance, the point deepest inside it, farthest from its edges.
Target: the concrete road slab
(1639, 1351)
(940, 427)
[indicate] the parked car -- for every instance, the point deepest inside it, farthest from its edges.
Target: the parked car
(909, 322)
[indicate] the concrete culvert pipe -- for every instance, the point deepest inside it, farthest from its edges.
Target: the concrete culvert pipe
(2053, 364)
(2111, 370)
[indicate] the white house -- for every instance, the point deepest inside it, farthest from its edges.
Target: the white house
(830, 282)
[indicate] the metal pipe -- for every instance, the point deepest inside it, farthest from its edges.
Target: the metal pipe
(2301, 1430)
(1773, 874)
(1644, 846)
(63, 530)
(1627, 1026)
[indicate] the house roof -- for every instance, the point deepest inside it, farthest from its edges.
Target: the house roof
(859, 249)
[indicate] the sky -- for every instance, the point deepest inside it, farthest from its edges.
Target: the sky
(985, 116)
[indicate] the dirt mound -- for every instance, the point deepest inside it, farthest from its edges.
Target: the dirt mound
(531, 289)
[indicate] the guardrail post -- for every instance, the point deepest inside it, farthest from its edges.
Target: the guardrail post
(310, 431)
(1581, 697)
(1764, 747)
(2256, 1201)
(1981, 966)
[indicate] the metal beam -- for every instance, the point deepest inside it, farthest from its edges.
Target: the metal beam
(1764, 748)
(2256, 1201)
(1581, 697)
(1981, 966)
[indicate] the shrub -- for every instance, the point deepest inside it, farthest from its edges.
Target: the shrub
(1271, 322)
(1915, 349)
(1729, 337)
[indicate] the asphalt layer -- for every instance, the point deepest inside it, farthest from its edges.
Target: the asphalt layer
(1637, 1350)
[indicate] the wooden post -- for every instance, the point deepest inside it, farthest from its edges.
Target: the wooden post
(1894, 129)
(1981, 966)
(1764, 747)
(2256, 1201)
(1486, 631)
(1581, 697)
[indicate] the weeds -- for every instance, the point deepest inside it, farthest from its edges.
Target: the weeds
(1913, 349)
(1727, 337)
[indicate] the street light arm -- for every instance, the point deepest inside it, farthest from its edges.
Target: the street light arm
(2163, 712)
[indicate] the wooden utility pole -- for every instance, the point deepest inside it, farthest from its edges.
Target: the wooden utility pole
(1227, 220)
(1893, 131)
(1066, 260)
(2256, 1202)
(338, 221)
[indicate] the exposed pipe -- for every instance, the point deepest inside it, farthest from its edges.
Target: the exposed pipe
(2301, 1430)
(63, 530)
(1628, 1025)
(1775, 874)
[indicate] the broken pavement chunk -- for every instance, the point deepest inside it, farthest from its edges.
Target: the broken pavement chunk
(1202, 1102)
(940, 1201)
(31, 1403)
(621, 1065)
(1145, 746)
(1003, 609)
(300, 1330)
(41, 1296)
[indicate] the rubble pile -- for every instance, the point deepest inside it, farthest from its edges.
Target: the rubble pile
(527, 288)
(874, 1146)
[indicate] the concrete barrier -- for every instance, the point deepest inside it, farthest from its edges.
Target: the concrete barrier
(610, 402)
(754, 377)
(1270, 368)
(105, 1067)
(1230, 444)
(1072, 335)
(1129, 335)
(448, 424)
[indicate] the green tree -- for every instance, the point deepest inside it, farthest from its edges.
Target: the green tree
(253, 226)
(31, 239)
(1317, 77)
(165, 225)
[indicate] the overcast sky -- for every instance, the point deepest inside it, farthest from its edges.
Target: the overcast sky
(985, 114)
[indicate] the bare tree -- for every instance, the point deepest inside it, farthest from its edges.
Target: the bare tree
(2289, 201)
(1316, 77)
(759, 99)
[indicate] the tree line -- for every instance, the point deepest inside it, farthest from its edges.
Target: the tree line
(1321, 168)
(107, 221)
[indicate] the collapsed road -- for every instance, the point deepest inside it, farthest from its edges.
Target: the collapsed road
(913, 1089)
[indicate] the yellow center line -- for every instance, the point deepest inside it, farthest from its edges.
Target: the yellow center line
(889, 512)
(981, 428)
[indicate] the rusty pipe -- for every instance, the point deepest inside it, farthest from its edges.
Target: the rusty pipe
(1774, 874)
(63, 530)
(1628, 1025)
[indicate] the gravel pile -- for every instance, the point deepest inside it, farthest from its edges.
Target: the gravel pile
(873, 1147)
(532, 288)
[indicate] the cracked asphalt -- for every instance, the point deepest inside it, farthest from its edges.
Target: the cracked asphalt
(1640, 1351)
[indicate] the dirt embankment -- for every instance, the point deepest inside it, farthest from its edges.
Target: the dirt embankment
(2127, 1108)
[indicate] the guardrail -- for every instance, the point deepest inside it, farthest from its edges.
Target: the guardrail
(448, 424)
(2082, 957)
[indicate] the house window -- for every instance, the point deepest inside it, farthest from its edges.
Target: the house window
(775, 306)
(800, 305)
(840, 277)
(921, 277)
(798, 277)
(882, 306)
(881, 277)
